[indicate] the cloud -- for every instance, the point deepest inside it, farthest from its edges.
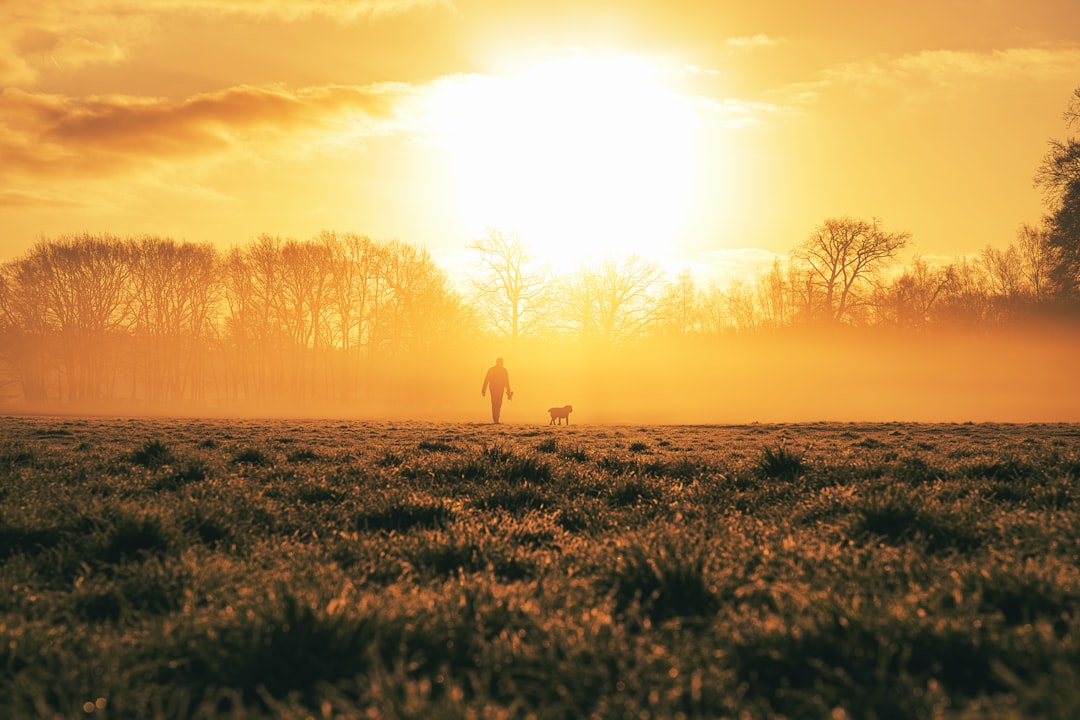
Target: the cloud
(295, 9)
(952, 67)
(698, 70)
(723, 266)
(23, 199)
(66, 34)
(750, 42)
(934, 71)
(734, 113)
(55, 135)
(76, 33)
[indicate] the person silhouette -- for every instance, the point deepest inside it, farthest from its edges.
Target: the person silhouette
(498, 379)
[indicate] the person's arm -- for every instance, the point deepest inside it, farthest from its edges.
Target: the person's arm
(483, 388)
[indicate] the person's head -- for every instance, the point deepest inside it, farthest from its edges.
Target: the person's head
(498, 362)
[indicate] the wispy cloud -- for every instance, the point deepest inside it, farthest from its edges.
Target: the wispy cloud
(26, 199)
(294, 9)
(71, 34)
(721, 267)
(59, 135)
(735, 113)
(752, 41)
(698, 70)
(945, 67)
(66, 34)
(942, 69)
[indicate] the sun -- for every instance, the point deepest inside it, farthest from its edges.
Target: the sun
(584, 155)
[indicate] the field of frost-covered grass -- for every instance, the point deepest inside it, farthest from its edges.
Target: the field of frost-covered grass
(242, 568)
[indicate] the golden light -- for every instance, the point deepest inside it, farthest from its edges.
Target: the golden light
(584, 155)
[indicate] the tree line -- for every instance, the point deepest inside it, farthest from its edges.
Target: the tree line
(96, 317)
(845, 274)
(87, 318)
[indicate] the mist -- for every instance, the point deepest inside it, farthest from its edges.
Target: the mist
(345, 327)
(1007, 375)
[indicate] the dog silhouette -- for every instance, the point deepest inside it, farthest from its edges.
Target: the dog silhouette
(560, 413)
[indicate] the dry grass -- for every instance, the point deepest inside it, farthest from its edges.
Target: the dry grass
(197, 568)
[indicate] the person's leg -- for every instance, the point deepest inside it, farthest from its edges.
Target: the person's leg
(496, 406)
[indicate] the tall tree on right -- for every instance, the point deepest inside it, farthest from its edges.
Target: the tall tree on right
(1059, 178)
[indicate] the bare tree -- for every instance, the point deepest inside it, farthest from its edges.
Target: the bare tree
(713, 310)
(965, 298)
(355, 271)
(174, 293)
(84, 280)
(776, 294)
(511, 287)
(1002, 268)
(354, 284)
(240, 331)
(308, 279)
(678, 309)
(841, 255)
(910, 299)
(1038, 259)
(418, 306)
(26, 334)
(612, 301)
(743, 307)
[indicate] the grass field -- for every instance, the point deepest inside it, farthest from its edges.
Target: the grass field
(215, 568)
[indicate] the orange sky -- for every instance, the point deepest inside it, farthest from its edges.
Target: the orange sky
(711, 137)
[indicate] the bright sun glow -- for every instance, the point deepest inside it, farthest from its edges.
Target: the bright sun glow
(584, 156)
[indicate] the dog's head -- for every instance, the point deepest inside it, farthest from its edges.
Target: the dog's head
(569, 408)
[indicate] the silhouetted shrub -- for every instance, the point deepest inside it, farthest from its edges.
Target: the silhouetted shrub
(403, 515)
(843, 657)
(780, 464)
(915, 471)
(682, 469)
(664, 582)
(1023, 600)
(18, 539)
(549, 445)
(129, 536)
(510, 465)
(633, 490)
(149, 587)
(318, 493)
(895, 517)
(251, 456)
(577, 454)
(437, 446)
(287, 647)
(16, 455)
(153, 454)
(446, 554)
(192, 471)
(615, 465)
(389, 458)
(582, 515)
(210, 524)
(465, 552)
(1008, 469)
(301, 456)
(514, 499)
